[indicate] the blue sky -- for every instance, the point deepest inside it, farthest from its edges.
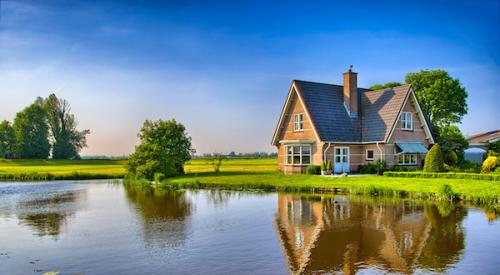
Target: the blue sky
(223, 69)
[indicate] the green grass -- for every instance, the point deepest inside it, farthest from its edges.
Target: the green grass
(263, 174)
(61, 169)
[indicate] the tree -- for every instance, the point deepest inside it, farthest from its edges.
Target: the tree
(165, 147)
(7, 140)
(32, 132)
(386, 85)
(452, 140)
(67, 140)
(442, 98)
(494, 146)
(434, 160)
(217, 159)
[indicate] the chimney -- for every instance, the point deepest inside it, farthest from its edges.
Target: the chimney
(351, 92)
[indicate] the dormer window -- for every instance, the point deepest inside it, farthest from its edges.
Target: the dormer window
(298, 122)
(406, 121)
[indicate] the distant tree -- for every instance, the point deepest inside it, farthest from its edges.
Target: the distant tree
(452, 140)
(232, 154)
(32, 132)
(494, 146)
(8, 141)
(434, 160)
(442, 98)
(386, 85)
(217, 159)
(67, 140)
(165, 147)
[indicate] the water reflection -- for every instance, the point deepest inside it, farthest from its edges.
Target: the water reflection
(49, 215)
(163, 213)
(327, 234)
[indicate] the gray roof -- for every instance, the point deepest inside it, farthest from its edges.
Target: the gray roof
(378, 111)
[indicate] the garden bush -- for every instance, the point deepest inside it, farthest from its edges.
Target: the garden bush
(489, 164)
(399, 168)
(434, 160)
(329, 165)
(449, 175)
(159, 177)
(381, 165)
(368, 168)
(313, 170)
(323, 167)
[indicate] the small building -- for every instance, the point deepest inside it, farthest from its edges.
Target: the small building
(350, 126)
(478, 145)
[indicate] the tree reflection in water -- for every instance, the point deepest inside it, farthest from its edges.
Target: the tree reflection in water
(337, 234)
(164, 214)
(48, 216)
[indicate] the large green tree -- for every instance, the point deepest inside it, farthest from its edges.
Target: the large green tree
(164, 148)
(442, 98)
(32, 132)
(67, 140)
(451, 140)
(385, 85)
(8, 141)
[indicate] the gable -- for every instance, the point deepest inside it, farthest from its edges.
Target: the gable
(284, 130)
(421, 131)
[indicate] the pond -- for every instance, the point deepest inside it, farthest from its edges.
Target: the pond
(105, 227)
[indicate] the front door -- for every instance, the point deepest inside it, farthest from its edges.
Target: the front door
(341, 160)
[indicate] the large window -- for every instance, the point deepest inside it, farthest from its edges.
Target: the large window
(298, 154)
(298, 122)
(406, 121)
(407, 159)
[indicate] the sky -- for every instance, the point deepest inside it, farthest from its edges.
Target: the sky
(223, 69)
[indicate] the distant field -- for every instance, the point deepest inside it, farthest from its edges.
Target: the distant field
(233, 165)
(11, 169)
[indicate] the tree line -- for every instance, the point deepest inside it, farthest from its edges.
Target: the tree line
(46, 128)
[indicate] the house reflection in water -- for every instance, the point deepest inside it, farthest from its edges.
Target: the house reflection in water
(327, 234)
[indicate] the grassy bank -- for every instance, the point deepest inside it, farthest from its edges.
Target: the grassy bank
(30, 170)
(263, 174)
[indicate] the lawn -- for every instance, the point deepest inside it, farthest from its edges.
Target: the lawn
(263, 173)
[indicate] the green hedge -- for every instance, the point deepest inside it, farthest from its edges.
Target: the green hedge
(313, 170)
(469, 176)
(60, 176)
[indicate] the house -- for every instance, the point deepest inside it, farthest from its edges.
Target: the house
(478, 143)
(350, 126)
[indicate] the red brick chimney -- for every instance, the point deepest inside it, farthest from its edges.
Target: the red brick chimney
(351, 91)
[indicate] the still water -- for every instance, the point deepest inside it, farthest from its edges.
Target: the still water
(104, 227)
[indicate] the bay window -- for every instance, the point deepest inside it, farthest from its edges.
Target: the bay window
(407, 159)
(298, 154)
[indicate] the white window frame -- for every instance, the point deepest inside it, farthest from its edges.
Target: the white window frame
(298, 122)
(299, 154)
(366, 154)
(406, 121)
(407, 159)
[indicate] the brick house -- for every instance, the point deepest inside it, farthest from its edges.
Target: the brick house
(350, 126)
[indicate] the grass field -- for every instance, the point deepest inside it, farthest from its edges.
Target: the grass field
(61, 169)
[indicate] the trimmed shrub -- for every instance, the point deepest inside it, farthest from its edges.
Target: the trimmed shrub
(313, 170)
(451, 158)
(434, 160)
(489, 164)
(323, 168)
(368, 168)
(449, 175)
(399, 168)
(329, 165)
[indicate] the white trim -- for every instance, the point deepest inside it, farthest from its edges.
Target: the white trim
(415, 157)
(297, 141)
(405, 115)
(299, 154)
(293, 88)
(299, 122)
(373, 154)
(421, 116)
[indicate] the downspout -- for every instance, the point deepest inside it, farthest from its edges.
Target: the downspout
(380, 151)
(324, 152)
